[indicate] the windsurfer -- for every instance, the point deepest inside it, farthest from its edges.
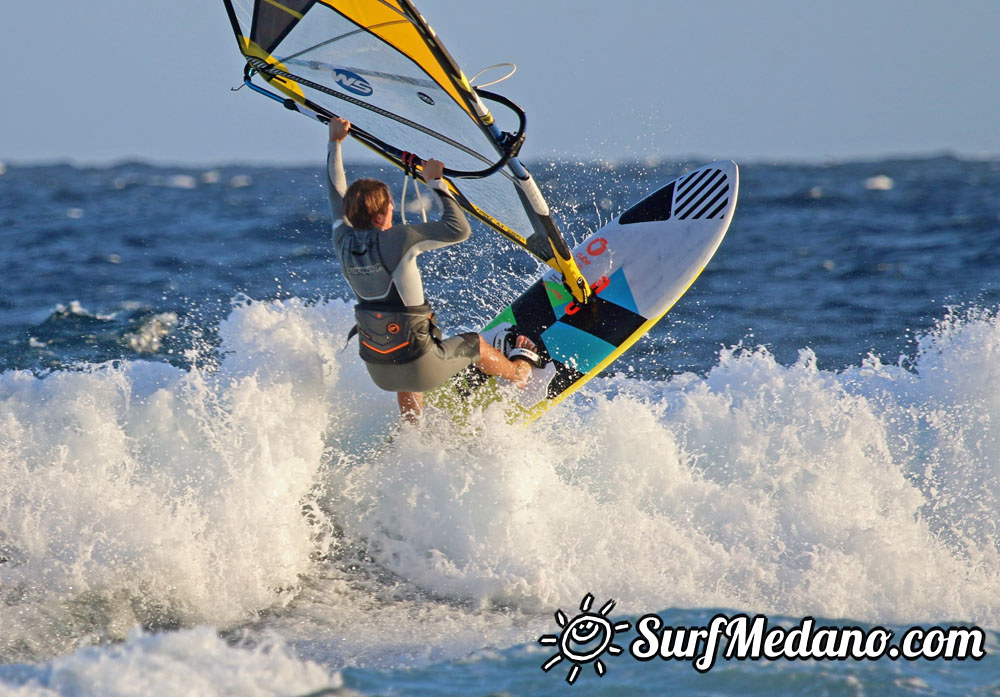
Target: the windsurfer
(400, 344)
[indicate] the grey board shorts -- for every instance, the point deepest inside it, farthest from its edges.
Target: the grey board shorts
(443, 360)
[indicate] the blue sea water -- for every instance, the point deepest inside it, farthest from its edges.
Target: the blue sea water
(199, 495)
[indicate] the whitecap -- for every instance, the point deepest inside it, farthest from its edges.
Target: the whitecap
(879, 182)
(75, 308)
(182, 181)
(148, 338)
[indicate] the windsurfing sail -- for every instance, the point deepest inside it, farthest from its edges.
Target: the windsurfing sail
(378, 64)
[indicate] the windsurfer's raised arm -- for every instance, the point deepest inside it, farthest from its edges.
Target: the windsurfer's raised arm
(336, 179)
(453, 226)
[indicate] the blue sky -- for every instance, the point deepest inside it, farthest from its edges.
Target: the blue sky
(774, 80)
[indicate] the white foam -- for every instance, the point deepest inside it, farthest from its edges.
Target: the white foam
(191, 662)
(783, 489)
(140, 492)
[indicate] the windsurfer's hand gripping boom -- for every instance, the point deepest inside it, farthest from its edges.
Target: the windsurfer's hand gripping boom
(339, 128)
(431, 169)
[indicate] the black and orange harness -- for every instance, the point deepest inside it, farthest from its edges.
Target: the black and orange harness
(390, 335)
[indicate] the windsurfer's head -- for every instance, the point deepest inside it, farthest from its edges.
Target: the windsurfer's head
(368, 205)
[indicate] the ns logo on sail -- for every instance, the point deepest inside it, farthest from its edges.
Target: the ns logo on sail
(352, 82)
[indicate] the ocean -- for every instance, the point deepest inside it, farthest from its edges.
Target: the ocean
(202, 493)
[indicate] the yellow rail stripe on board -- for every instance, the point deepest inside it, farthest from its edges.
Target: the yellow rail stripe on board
(293, 13)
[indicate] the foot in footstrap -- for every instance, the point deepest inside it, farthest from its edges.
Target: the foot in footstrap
(518, 347)
(521, 351)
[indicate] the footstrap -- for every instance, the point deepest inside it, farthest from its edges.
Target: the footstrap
(517, 353)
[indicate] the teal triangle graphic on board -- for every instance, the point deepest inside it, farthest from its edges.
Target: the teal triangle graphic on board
(574, 346)
(618, 292)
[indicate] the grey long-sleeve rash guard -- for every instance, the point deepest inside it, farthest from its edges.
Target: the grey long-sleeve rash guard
(396, 248)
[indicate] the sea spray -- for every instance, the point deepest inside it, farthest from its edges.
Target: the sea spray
(782, 489)
(137, 492)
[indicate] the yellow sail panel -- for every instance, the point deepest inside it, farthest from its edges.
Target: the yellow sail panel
(387, 20)
(289, 87)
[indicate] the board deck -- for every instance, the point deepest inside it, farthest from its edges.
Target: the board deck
(639, 265)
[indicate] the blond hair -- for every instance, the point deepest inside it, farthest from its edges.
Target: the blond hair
(364, 201)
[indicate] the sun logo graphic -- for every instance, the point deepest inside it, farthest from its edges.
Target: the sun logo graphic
(584, 639)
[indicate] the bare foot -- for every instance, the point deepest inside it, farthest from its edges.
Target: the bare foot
(522, 374)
